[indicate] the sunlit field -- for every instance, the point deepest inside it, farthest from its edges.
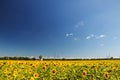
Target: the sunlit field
(60, 70)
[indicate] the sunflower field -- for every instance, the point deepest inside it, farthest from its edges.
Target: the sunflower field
(60, 70)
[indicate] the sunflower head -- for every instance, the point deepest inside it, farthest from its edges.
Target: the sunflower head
(106, 75)
(9, 74)
(84, 73)
(5, 70)
(15, 74)
(36, 75)
(30, 71)
(44, 67)
(63, 69)
(32, 78)
(54, 71)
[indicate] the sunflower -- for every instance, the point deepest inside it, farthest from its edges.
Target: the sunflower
(15, 70)
(5, 70)
(113, 67)
(54, 71)
(63, 69)
(32, 78)
(84, 73)
(0, 64)
(44, 67)
(54, 64)
(19, 70)
(15, 74)
(33, 65)
(9, 74)
(106, 75)
(30, 71)
(35, 75)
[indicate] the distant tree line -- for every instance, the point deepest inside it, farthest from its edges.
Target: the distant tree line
(41, 58)
(77, 59)
(16, 58)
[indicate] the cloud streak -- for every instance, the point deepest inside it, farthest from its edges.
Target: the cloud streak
(100, 36)
(95, 36)
(90, 36)
(69, 35)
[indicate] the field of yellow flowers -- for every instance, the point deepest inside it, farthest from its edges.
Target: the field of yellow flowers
(60, 70)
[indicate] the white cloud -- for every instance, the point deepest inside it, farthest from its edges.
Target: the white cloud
(69, 34)
(90, 36)
(100, 36)
(95, 36)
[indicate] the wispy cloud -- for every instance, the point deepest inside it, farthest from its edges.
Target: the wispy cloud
(95, 36)
(100, 36)
(90, 36)
(69, 35)
(79, 24)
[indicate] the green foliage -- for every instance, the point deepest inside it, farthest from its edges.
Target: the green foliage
(40, 57)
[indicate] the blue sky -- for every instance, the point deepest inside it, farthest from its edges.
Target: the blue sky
(63, 28)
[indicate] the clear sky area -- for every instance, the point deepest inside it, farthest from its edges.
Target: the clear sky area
(62, 28)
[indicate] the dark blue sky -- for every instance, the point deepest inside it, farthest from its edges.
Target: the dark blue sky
(64, 28)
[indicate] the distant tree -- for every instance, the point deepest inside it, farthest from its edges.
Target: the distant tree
(111, 57)
(6, 57)
(33, 58)
(63, 58)
(40, 57)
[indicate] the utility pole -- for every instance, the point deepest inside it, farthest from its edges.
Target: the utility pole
(109, 54)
